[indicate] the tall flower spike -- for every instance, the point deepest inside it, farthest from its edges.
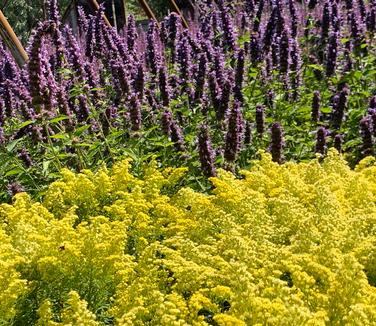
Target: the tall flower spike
(321, 141)
(234, 134)
(53, 11)
(315, 113)
(366, 134)
(131, 33)
(260, 120)
(152, 56)
(254, 49)
(139, 80)
(331, 61)
(83, 110)
(184, 60)
(164, 87)
(200, 77)
(284, 53)
(325, 25)
(257, 20)
(372, 115)
(75, 56)
(135, 112)
(177, 136)
(372, 102)
(83, 22)
(89, 52)
(239, 76)
(294, 19)
(206, 152)
(338, 140)
(35, 65)
(166, 121)
(247, 133)
(340, 107)
(277, 142)
(223, 108)
(228, 28)
(215, 92)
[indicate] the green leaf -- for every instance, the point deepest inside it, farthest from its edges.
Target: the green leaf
(60, 136)
(25, 124)
(12, 145)
(58, 119)
(46, 165)
(326, 109)
(316, 67)
(81, 130)
(13, 172)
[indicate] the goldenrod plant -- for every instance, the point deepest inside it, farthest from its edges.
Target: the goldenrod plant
(289, 244)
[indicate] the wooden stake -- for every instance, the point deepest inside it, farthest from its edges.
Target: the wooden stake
(95, 5)
(114, 14)
(125, 12)
(12, 42)
(174, 7)
(148, 11)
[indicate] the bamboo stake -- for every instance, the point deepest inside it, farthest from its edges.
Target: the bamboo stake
(174, 7)
(125, 12)
(114, 14)
(95, 5)
(12, 42)
(148, 11)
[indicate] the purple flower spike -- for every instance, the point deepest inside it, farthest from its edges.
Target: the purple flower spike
(284, 53)
(222, 111)
(83, 22)
(53, 11)
(294, 19)
(164, 87)
(260, 120)
(228, 28)
(24, 156)
(83, 110)
(247, 133)
(372, 103)
(206, 152)
(135, 112)
(315, 113)
(131, 33)
(234, 134)
(139, 80)
(215, 91)
(331, 62)
(35, 63)
(239, 75)
(339, 108)
(321, 141)
(152, 54)
(372, 114)
(177, 136)
(200, 78)
(166, 121)
(338, 140)
(366, 134)
(277, 143)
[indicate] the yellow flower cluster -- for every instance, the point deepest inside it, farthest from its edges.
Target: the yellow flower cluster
(291, 244)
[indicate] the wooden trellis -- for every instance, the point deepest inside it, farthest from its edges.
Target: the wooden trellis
(12, 41)
(16, 48)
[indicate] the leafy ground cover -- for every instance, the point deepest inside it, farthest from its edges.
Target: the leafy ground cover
(290, 244)
(289, 77)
